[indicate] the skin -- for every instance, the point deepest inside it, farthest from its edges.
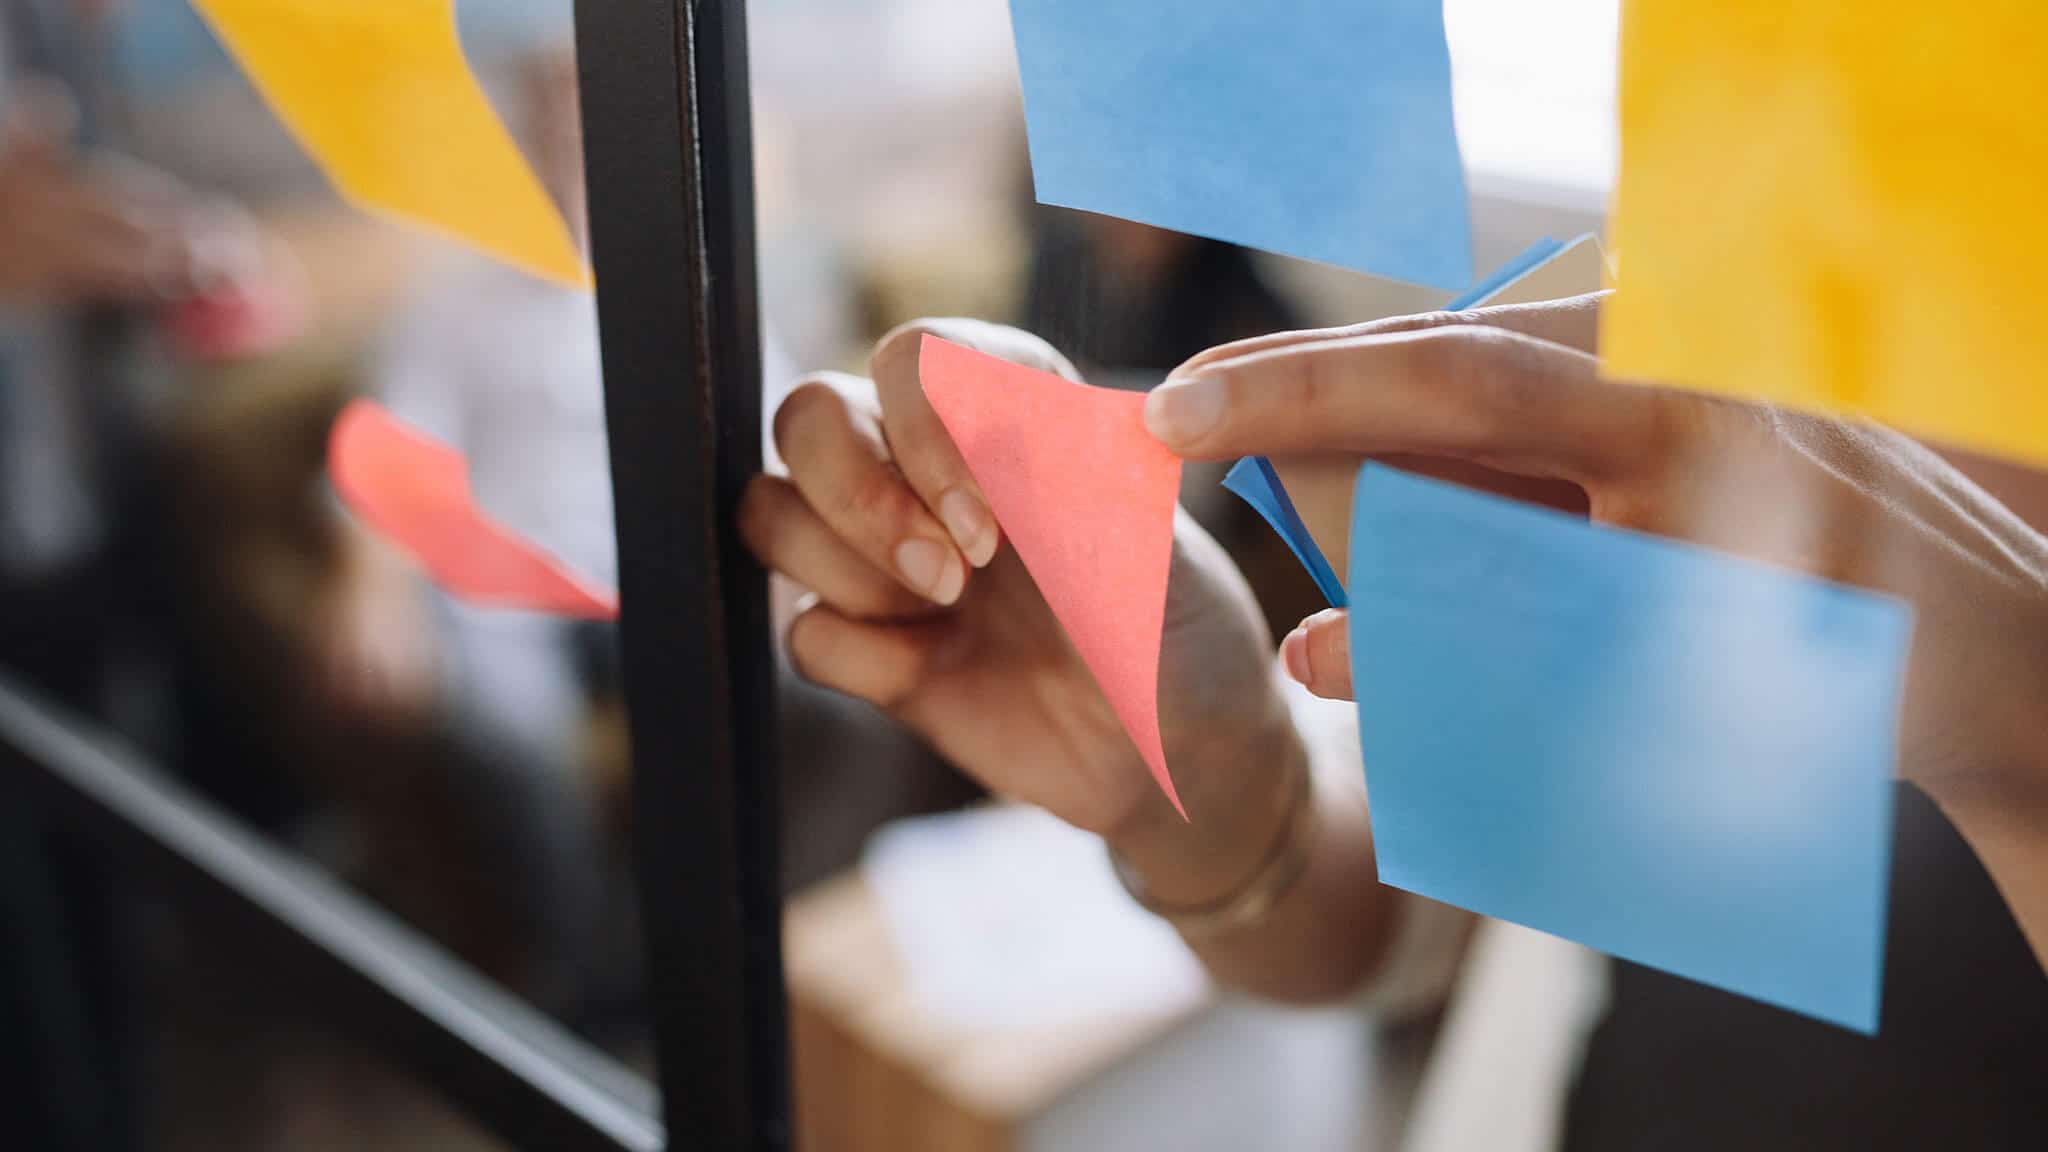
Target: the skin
(1515, 396)
(373, 634)
(71, 233)
(920, 609)
(374, 641)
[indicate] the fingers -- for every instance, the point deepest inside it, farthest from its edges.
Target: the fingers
(1572, 322)
(787, 536)
(1468, 392)
(1318, 654)
(844, 472)
(133, 203)
(124, 231)
(882, 664)
(918, 440)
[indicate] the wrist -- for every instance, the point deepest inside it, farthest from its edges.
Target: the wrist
(1252, 899)
(1239, 803)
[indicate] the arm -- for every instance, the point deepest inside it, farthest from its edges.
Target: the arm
(1848, 502)
(921, 609)
(71, 234)
(2010, 833)
(373, 641)
(2024, 491)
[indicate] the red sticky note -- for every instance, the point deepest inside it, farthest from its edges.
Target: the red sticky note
(1086, 496)
(414, 492)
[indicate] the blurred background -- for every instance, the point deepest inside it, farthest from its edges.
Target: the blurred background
(184, 308)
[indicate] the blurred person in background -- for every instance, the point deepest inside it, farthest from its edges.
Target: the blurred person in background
(93, 250)
(1273, 882)
(505, 368)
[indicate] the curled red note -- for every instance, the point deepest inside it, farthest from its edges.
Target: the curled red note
(413, 491)
(1086, 496)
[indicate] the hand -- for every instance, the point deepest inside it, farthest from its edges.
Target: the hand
(1495, 399)
(73, 232)
(922, 610)
(374, 650)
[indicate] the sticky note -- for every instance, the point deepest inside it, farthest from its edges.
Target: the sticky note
(1257, 481)
(414, 492)
(1671, 755)
(1577, 268)
(1837, 207)
(1086, 496)
(1528, 260)
(381, 97)
(1312, 128)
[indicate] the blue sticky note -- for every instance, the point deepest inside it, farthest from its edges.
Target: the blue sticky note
(1312, 128)
(1668, 754)
(1257, 484)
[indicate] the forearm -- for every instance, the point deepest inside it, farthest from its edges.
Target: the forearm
(2001, 808)
(365, 560)
(2023, 490)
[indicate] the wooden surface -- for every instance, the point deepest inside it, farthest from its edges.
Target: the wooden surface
(875, 1071)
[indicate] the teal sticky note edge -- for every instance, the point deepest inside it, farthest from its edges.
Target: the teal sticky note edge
(1746, 847)
(1530, 257)
(1254, 480)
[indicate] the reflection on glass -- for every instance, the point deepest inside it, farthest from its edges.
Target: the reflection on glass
(184, 307)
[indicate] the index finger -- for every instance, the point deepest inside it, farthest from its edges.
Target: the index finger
(1475, 393)
(1573, 322)
(918, 440)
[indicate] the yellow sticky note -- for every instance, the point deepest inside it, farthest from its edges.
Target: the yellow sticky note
(1840, 207)
(379, 93)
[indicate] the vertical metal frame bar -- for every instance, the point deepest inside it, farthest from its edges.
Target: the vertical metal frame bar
(669, 172)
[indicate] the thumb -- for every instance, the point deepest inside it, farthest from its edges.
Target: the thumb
(1317, 654)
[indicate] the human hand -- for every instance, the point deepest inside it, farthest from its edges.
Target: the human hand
(77, 229)
(1502, 399)
(922, 610)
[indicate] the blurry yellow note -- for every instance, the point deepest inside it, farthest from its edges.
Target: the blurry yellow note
(379, 93)
(1840, 207)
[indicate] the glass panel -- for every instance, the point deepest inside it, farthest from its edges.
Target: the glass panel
(982, 980)
(186, 305)
(979, 979)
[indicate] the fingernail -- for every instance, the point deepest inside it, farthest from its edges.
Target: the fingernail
(970, 525)
(931, 569)
(1182, 411)
(1294, 653)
